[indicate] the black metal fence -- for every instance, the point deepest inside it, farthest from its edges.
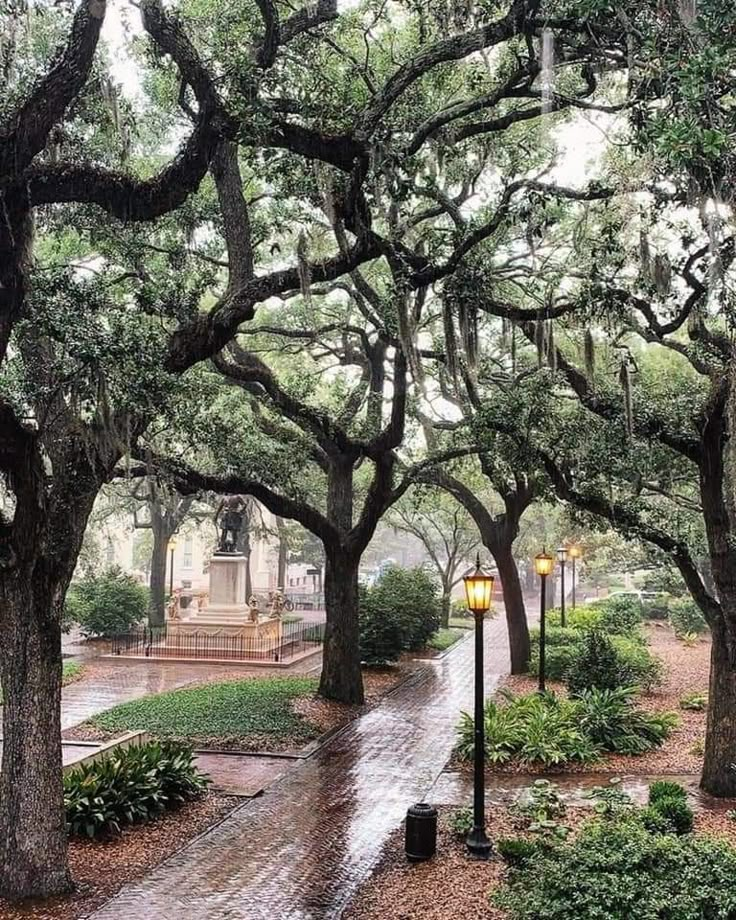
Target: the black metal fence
(296, 639)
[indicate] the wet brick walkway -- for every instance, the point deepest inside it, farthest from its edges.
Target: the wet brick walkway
(300, 851)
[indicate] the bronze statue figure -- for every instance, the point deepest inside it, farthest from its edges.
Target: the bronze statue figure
(230, 517)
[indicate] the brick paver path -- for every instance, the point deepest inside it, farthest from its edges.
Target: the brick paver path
(300, 851)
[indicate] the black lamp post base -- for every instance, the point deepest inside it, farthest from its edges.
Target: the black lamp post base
(479, 846)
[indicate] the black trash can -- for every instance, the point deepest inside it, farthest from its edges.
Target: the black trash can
(421, 832)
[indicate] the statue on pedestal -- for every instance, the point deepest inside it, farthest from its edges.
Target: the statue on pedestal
(230, 517)
(254, 611)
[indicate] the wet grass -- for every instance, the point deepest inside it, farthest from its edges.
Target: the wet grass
(252, 712)
(444, 638)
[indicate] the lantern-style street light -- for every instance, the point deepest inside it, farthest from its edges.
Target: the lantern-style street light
(544, 565)
(574, 552)
(172, 547)
(478, 594)
(562, 559)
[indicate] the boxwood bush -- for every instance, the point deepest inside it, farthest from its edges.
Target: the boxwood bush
(106, 604)
(566, 649)
(129, 786)
(401, 612)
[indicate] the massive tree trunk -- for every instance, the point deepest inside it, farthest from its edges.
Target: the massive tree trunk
(719, 777)
(33, 841)
(159, 566)
(513, 600)
(342, 678)
(48, 534)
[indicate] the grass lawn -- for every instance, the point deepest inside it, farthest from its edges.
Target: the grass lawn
(461, 622)
(250, 714)
(444, 638)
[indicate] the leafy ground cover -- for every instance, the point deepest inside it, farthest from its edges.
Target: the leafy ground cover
(247, 714)
(445, 638)
(685, 672)
(607, 865)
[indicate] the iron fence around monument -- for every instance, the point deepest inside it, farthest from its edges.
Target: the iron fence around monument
(296, 640)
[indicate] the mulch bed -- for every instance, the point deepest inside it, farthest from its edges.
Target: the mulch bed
(686, 670)
(453, 886)
(101, 868)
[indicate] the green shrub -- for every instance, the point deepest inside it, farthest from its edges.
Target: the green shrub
(611, 721)
(666, 789)
(607, 662)
(129, 786)
(381, 635)
(586, 617)
(676, 814)
(558, 659)
(556, 636)
(686, 617)
(401, 612)
(617, 870)
(595, 663)
(551, 731)
(516, 851)
(639, 668)
(669, 801)
(620, 616)
(106, 604)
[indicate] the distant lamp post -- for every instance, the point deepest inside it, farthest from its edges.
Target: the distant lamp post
(544, 565)
(574, 552)
(172, 547)
(562, 559)
(478, 594)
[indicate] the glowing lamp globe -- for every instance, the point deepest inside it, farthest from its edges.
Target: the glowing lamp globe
(478, 589)
(544, 564)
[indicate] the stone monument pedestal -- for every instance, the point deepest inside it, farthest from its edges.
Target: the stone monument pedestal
(227, 603)
(227, 614)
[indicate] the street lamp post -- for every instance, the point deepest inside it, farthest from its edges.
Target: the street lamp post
(574, 553)
(172, 547)
(562, 559)
(478, 594)
(544, 565)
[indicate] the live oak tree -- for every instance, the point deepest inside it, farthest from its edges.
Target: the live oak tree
(663, 283)
(376, 196)
(90, 357)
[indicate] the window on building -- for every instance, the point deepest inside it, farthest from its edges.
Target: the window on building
(187, 553)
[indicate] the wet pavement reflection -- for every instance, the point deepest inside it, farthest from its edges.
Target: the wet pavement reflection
(301, 850)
